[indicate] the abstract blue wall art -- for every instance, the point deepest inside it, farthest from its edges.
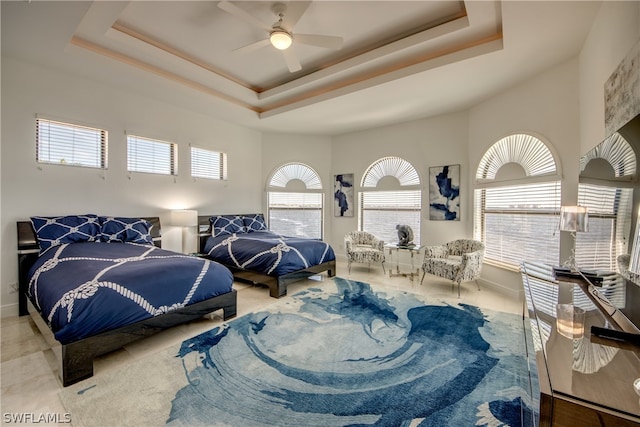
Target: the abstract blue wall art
(444, 193)
(343, 195)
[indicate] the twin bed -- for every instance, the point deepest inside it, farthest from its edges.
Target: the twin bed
(253, 253)
(102, 282)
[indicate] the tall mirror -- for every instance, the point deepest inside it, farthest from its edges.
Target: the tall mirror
(609, 188)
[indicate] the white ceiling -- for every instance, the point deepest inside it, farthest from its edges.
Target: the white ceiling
(400, 60)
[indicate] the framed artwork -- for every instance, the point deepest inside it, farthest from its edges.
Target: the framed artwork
(622, 92)
(343, 204)
(444, 193)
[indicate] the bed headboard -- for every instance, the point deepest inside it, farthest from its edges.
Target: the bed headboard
(204, 230)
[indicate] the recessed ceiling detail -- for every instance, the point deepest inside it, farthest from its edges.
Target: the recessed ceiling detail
(194, 44)
(400, 60)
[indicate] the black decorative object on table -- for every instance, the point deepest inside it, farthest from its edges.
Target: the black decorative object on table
(405, 235)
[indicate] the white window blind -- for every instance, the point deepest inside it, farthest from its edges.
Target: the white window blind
(151, 156)
(518, 220)
(396, 167)
(296, 212)
(609, 210)
(68, 144)
(208, 164)
(381, 210)
(296, 171)
(519, 223)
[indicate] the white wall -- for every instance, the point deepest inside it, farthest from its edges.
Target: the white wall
(547, 107)
(32, 189)
(424, 143)
(615, 31)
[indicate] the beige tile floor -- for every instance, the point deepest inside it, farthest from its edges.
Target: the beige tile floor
(28, 368)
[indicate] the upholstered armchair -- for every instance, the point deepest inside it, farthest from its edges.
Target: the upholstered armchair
(363, 247)
(459, 261)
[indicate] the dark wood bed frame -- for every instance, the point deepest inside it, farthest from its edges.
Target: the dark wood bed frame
(277, 284)
(76, 362)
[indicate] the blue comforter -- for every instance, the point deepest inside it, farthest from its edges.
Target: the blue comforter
(268, 253)
(83, 289)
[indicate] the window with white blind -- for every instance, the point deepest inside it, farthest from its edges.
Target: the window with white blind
(607, 172)
(296, 202)
(68, 144)
(390, 195)
(208, 164)
(151, 156)
(517, 202)
(609, 210)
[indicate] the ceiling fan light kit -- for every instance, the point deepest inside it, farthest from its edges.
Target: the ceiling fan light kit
(281, 33)
(281, 40)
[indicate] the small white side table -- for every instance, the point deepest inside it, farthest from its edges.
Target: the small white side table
(394, 253)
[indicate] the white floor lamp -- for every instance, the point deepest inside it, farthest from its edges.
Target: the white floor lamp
(188, 220)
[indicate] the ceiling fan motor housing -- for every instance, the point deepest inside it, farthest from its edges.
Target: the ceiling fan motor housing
(279, 9)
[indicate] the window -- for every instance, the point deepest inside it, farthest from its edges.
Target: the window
(605, 171)
(609, 210)
(208, 164)
(296, 202)
(151, 156)
(390, 195)
(517, 202)
(68, 144)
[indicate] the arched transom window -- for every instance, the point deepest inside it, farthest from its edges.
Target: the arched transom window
(605, 189)
(517, 202)
(390, 195)
(296, 201)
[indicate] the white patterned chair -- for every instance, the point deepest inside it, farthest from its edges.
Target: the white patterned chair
(364, 247)
(459, 261)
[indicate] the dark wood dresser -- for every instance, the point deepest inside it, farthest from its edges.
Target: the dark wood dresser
(584, 379)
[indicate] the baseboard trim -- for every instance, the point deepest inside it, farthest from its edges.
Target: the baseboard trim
(9, 310)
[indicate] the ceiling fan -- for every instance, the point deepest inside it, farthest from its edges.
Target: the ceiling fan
(281, 34)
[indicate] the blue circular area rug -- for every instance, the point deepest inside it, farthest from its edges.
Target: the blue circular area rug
(340, 354)
(356, 357)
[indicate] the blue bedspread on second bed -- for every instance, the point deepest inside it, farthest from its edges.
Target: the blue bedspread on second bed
(83, 289)
(267, 252)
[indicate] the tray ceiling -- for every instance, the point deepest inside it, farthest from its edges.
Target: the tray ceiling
(389, 48)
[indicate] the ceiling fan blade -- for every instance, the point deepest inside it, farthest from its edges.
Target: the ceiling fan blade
(292, 60)
(293, 13)
(243, 15)
(331, 42)
(252, 46)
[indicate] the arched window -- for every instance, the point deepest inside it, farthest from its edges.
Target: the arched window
(606, 175)
(296, 201)
(390, 195)
(517, 202)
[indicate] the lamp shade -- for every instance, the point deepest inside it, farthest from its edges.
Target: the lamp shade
(281, 40)
(574, 218)
(184, 218)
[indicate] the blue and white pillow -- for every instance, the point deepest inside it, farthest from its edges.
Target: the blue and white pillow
(57, 230)
(227, 224)
(254, 223)
(123, 229)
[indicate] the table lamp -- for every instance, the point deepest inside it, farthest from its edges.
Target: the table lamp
(573, 219)
(188, 220)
